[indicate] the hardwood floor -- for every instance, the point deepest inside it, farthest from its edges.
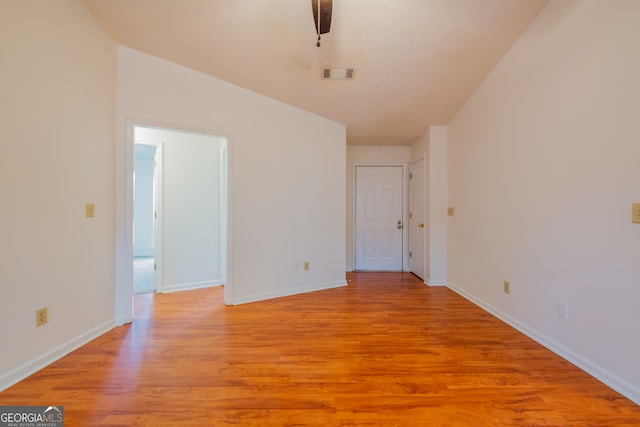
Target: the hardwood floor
(386, 350)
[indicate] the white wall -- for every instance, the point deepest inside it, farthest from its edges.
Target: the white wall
(373, 155)
(419, 148)
(190, 253)
(287, 176)
(543, 170)
(57, 113)
(436, 221)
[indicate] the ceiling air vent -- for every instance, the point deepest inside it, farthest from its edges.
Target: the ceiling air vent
(337, 73)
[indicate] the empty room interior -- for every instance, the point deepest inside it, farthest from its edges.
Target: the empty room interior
(353, 212)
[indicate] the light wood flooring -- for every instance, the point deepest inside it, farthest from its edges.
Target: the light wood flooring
(384, 351)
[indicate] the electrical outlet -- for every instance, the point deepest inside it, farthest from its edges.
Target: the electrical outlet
(506, 287)
(306, 266)
(563, 310)
(296, 266)
(42, 316)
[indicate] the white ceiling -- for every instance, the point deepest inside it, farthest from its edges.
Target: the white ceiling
(416, 61)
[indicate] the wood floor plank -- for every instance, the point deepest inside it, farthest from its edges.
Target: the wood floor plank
(386, 350)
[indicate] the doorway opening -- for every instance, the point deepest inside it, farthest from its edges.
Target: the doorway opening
(176, 209)
(145, 189)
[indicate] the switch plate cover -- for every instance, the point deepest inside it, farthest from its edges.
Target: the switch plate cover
(635, 213)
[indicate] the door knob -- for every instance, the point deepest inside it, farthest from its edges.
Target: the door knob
(420, 225)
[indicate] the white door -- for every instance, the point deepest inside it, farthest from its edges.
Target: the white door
(379, 218)
(417, 236)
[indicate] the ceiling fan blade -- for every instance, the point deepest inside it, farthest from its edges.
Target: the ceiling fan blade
(323, 25)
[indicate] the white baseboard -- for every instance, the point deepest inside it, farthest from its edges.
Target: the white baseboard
(190, 286)
(623, 387)
(28, 368)
(288, 292)
(435, 282)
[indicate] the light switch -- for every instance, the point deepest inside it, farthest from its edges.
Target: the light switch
(635, 214)
(90, 210)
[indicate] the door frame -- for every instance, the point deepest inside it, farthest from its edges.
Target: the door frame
(124, 212)
(405, 240)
